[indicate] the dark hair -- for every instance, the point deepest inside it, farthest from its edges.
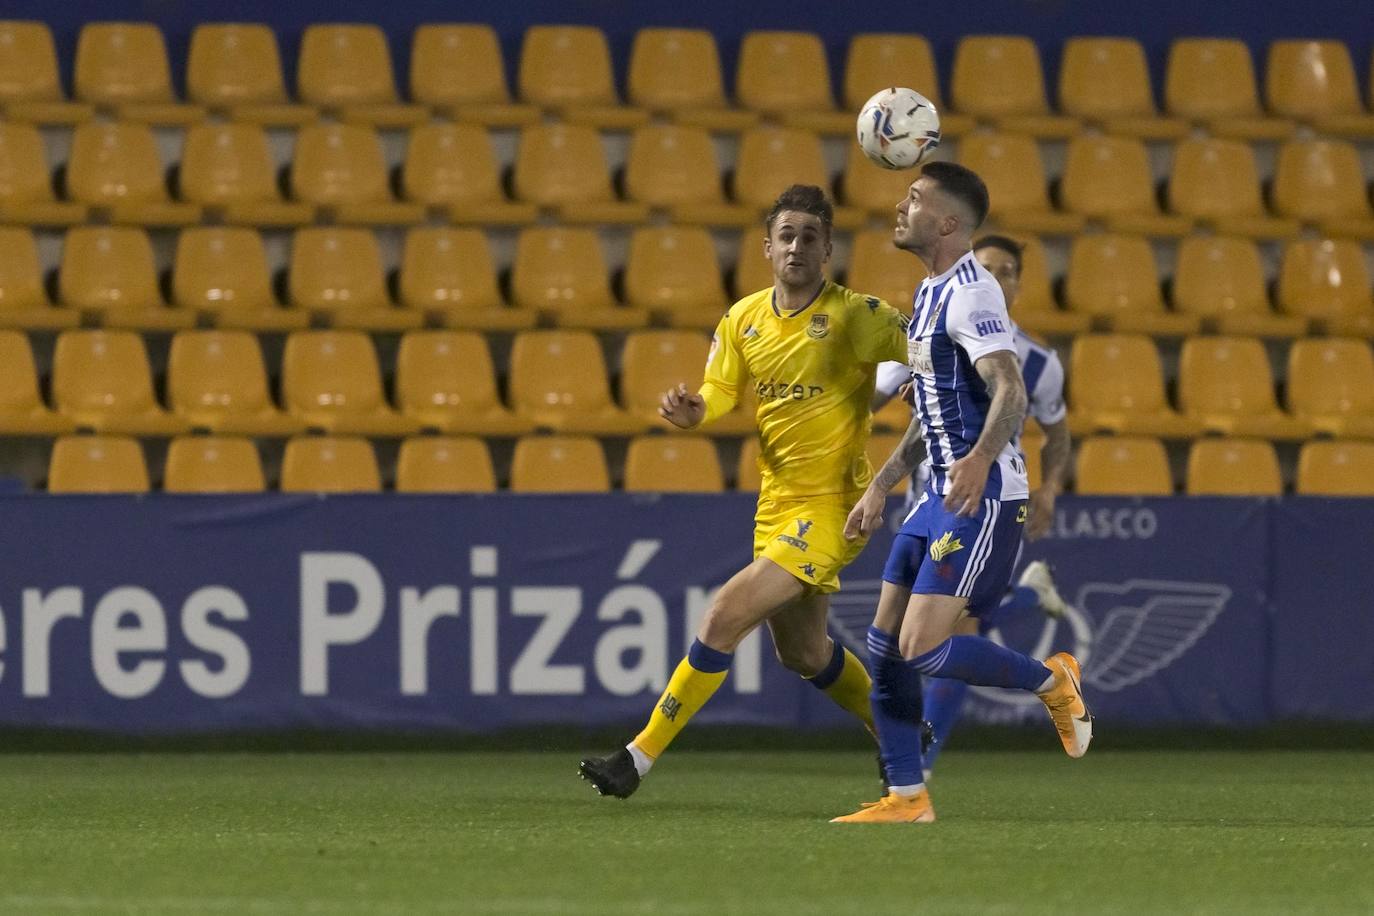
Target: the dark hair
(803, 198)
(963, 184)
(1002, 243)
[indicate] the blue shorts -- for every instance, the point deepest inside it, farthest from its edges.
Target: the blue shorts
(939, 553)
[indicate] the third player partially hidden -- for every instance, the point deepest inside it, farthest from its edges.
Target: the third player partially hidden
(956, 549)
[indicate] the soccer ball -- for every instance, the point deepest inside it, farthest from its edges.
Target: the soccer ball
(898, 127)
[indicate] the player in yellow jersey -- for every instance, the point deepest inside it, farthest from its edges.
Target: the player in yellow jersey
(809, 347)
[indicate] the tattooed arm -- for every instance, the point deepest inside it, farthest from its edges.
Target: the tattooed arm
(968, 476)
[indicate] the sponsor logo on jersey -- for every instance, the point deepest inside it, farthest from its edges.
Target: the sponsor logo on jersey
(945, 545)
(991, 326)
(773, 390)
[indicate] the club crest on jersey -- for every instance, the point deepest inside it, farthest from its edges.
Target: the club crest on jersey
(944, 546)
(820, 326)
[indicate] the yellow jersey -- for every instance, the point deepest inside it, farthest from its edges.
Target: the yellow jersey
(812, 371)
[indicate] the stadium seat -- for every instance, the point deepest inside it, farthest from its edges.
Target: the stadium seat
(1233, 467)
(212, 464)
(445, 381)
(566, 69)
(22, 411)
(122, 67)
(753, 271)
(331, 381)
(228, 170)
(561, 272)
(217, 381)
(235, 69)
(1225, 384)
(1331, 385)
(1327, 282)
(1035, 308)
(892, 417)
(676, 73)
(346, 69)
(444, 464)
(673, 272)
(673, 167)
(1032, 443)
(1011, 166)
(1321, 182)
(878, 268)
(1211, 82)
(558, 381)
(101, 381)
(654, 361)
(562, 168)
(1314, 82)
(338, 272)
(1220, 279)
(451, 168)
(115, 167)
(1105, 82)
(447, 275)
(997, 79)
(26, 186)
(673, 464)
(1336, 469)
(109, 272)
(97, 464)
(772, 158)
(1114, 279)
(340, 168)
(871, 188)
(1214, 182)
(877, 60)
(23, 300)
(29, 86)
(1108, 179)
(1116, 384)
(1123, 466)
(330, 464)
(785, 76)
(748, 476)
(559, 464)
(221, 273)
(457, 70)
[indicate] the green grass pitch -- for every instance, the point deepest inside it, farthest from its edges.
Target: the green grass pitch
(709, 832)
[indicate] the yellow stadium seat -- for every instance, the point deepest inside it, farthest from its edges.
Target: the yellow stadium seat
(1116, 385)
(1123, 466)
(1321, 182)
(877, 60)
(222, 274)
(1215, 183)
(1233, 467)
(457, 69)
(444, 464)
(340, 168)
(1336, 469)
(772, 158)
(748, 477)
(559, 464)
(893, 417)
(652, 362)
(212, 464)
(331, 381)
(561, 272)
(330, 464)
(451, 168)
(97, 464)
(1032, 443)
(116, 167)
(784, 75)
(1105, 81)
(673, 272)
(1114, 279)
(29, 86)
(346, 68)
(998, 79)
(109, 272)
(122, 66)
(872, 188)
(673, 464)
(1211, 82)
(1011, 166)
(26, 195)
(673, 167)
(878, 268)
(447, 274)
(566, 69)
(753, 271)
(1225, 384)
(234, 68)
(228, 170)
(676, 72)
(1314, 82)
(445, 381)
(1327, 282)
(101, 381)
(1035, 308)
(338, 272)
(22, 411)
(217, 381)
(1221, 280)
(1108, 179)
(558, 381)
(23, 301)
(1331, 385)
(562, 168)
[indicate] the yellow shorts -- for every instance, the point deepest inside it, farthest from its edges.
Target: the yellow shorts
(806, 537)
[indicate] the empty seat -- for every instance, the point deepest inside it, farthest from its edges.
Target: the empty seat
(29, 86)
(22, 411)
(676, 72)
(558, 381)
(1314, 82)
(1108, 179)
(235, 68)
(338, 272)
(217, 381)
(1035, 308)
(346, 68)
(331, 381)
(97, 464)
(1233, 467)
(1321, 182)
(448, 275)
(101, 381)
(1215, 183)
(562, 272)
(870, 187)
(748, 475)
(451, 168)
(770, 159)
(1327, 282)
(673, 272)
(1336, 469)
(1221, 280)
(1105, 81)
(674, 168)
(1114, 279)
(1011, 166)
(340, 167)
(562, 167)
(1211, 81)
(567, 69)
(1116, 384)
(445, 381)
(1331, 385)
(212, 464)
(330, 464)
(23, 300)
(998, 79)
(559, 464)
(228, 170)
(26, 186)
(877, 60)
(457, 69)
(878, 268)
(652, 362)
(1225, 384)
(116, 167)
(673, 464)
(1123, 466)
(222, 273)
(444, 464)
(785, 75)
(109, 271)
(123, 66)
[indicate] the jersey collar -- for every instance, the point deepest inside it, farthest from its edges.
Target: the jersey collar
(778, 312)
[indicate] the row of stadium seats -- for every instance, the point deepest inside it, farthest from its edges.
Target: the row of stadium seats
(671, 276)
(559, 381)
(457, 70)
(1105, 465)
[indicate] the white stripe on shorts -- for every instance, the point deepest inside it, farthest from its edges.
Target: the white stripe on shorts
(982, 547)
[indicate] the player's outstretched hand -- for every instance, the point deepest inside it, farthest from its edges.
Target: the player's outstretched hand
(682, 408)
(866, 516)
(967, 479)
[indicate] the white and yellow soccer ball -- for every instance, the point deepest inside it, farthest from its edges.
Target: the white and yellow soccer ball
(898, 128)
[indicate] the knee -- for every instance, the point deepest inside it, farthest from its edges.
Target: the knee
(808, 660)
(914, 645)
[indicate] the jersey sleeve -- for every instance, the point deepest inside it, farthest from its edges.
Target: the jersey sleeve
(1047, 400)
(725, 372)
(878, 332)
(890, 377)
(977, 321)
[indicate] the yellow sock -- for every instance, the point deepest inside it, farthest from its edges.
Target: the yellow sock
(687, 691)
(851, 687)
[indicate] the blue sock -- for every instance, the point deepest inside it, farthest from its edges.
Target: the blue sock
(1021, 598)
(896, 709)
(977, 660)
(831, 672)
(944, 701)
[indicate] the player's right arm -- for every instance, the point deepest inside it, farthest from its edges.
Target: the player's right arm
(719, 392)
